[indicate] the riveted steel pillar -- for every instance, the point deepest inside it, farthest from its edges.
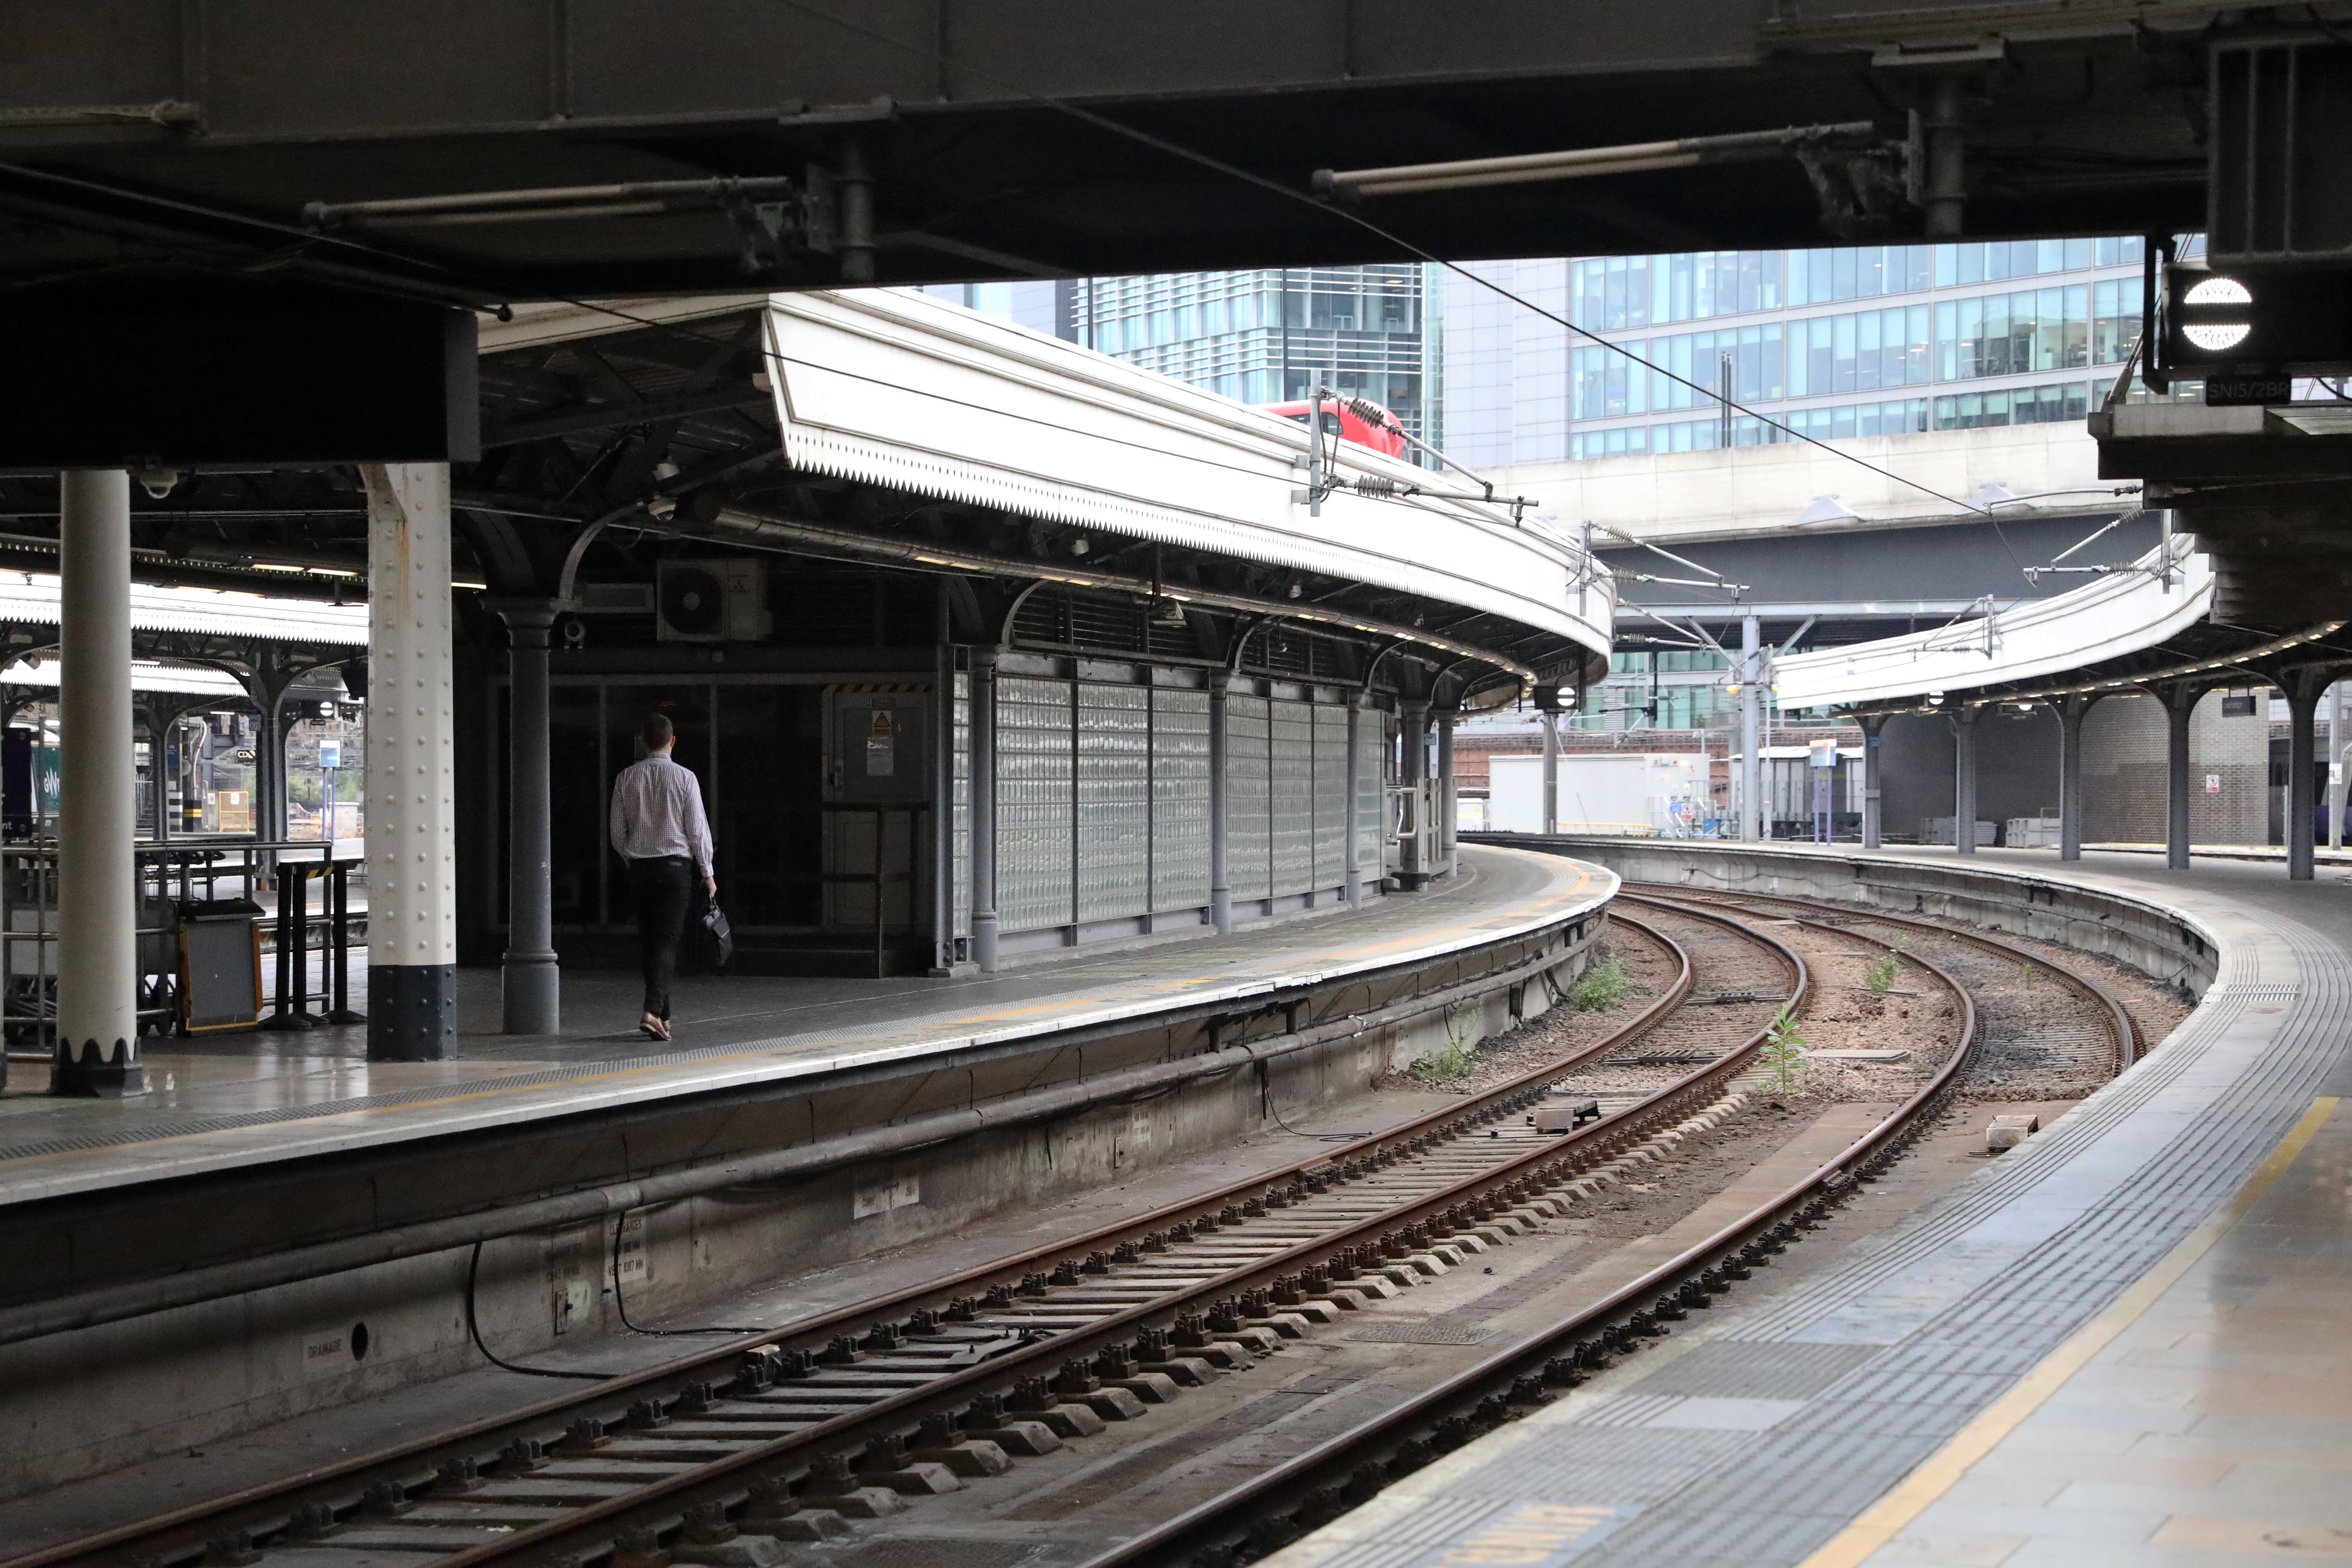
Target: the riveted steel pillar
(412, 813)
(984, 809)
(1221, 883)
(533, 985)
(97, 780)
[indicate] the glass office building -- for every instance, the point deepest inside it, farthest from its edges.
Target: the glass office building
(1857, 341)
(1262, 336)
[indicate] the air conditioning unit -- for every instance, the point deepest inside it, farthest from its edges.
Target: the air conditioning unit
(711, 601)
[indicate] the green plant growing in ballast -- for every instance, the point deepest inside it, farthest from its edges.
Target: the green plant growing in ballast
(1880, 975)
(2028, 974)
(1461, 1052)
(1783, 1052)
(1599, 988)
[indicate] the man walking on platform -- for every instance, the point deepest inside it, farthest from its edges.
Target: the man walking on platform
(659, 829)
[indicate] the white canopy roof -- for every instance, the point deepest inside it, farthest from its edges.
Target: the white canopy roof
(2129, 609)
(32, 597)
(909, 390)
(146, 675)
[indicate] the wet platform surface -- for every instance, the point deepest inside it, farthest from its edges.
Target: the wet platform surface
(2128, 1342)
(237, 1099)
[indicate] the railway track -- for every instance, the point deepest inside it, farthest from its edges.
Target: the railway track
(848, 1414)
(1028, 1347)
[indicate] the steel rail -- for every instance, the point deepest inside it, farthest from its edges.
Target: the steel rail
(188, 1287)
(587, 1530)
(585, 1533)
(256, 1506)
(2129, 1046)
(1308, 1491)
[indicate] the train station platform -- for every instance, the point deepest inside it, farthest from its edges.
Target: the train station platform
(2128, 1342)
(254, 1099)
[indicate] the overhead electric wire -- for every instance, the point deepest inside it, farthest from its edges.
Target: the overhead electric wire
(1177, 150)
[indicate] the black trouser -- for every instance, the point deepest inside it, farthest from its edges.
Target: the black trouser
(663, 889)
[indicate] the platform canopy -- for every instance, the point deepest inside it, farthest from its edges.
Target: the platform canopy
(987, 449)
(31, 598)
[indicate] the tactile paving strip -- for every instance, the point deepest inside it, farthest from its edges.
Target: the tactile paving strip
(1879, 1361)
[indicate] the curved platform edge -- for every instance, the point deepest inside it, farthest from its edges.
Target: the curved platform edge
(1511, 894)
(1763, 1438)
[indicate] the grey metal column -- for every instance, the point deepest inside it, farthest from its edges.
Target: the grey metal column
(269, 765)
(1550, 817)
(412, 813)
(2302, 689)
(1751, 771)
(1446, 835)
(97, 957)
(2072, 710)
(1964, 779)
(2179, 707)
(1221, 885)
(1354, 850)
(533, 985)
(984, 809)
(1872, 726)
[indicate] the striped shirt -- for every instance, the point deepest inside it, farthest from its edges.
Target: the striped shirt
(657, 811)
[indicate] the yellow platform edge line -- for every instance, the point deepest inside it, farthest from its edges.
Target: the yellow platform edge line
(1893, 1513)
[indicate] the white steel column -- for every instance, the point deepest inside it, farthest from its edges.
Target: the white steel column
(1751, 771)
(1221, 883)
(982, 712)
(411, 816)
(2337, 755)
(1874, 753)
(1964, 779)
(1447, 831)
(97, 957)
(1549, 818)
(1354, 868)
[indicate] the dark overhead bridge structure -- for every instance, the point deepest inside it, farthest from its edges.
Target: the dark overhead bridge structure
(513, 148)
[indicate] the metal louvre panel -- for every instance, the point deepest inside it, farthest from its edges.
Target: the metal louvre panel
(1033, 803)
(1247, 822)
(1371, 784)
(1292, 741)
(1114, 801)
(959, 807)
(1331, 796)
(1180, 799)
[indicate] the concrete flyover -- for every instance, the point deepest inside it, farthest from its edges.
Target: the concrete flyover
(1985, 1377)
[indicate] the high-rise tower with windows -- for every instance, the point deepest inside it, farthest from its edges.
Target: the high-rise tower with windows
(1262, 336)
(1858, 340)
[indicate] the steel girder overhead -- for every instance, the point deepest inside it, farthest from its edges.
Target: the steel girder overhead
(803, 142)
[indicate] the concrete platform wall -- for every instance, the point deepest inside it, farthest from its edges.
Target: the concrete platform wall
(76, 1404)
